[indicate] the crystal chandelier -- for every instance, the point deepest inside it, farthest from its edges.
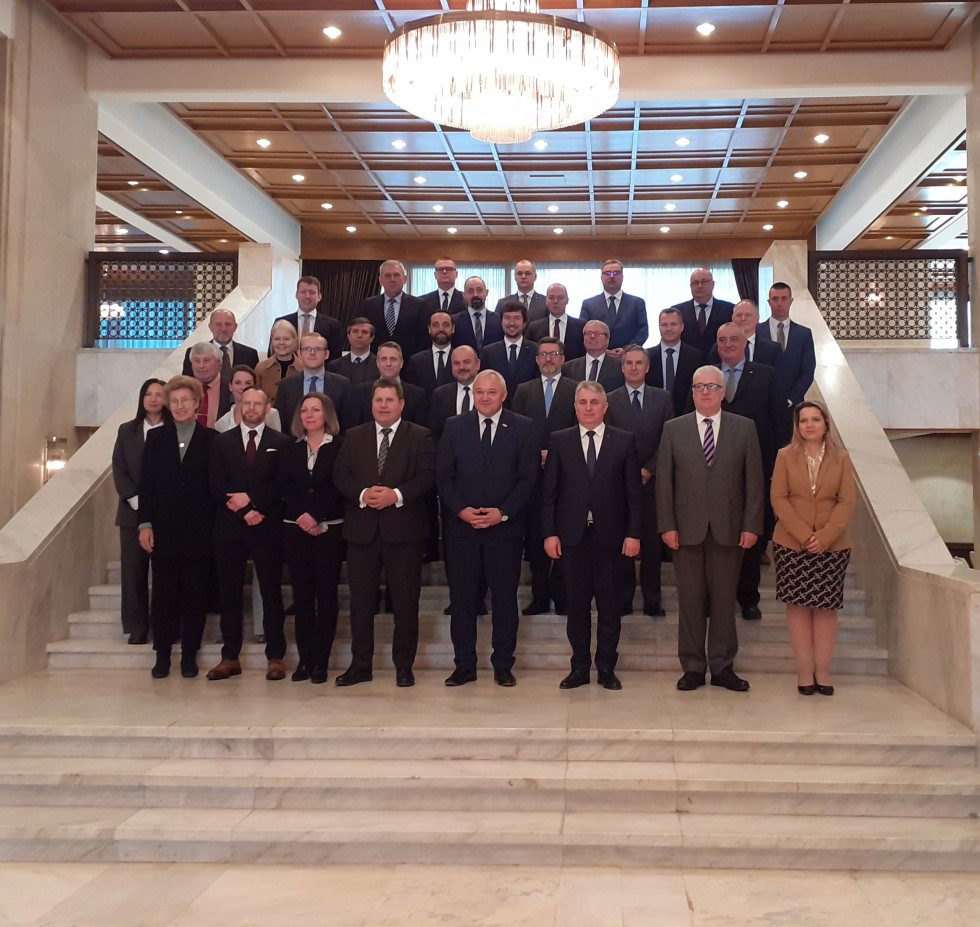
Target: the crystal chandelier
(501, 70)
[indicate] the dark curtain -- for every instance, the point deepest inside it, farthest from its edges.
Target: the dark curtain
(344, 285)
(746, 272)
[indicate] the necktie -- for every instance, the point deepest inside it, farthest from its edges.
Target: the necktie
(306, 324)
(485, 441)
(702, 319)
(549, 394)
(709, 442)
(524, 298)
(390, 316)
(590, 453)
(513, 356)
(313, 384)
(225, 363)
(445, 302)
(466, 400)
(781, 335)
(729, 384)
(637, 408)
(669, 376)
(747, 345)
(478, 330)
(357, 360)
(441, 366)
(383, 449)
(250, 449)
(557, 330)
(202, 412)
(594, 369)
(612, 306)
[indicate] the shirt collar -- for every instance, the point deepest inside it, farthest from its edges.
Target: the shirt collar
(495, 418)
(518, 342)
(393, 426)
(599, 429)
(258, 429)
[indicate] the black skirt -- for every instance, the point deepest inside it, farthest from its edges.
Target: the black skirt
(810, 580)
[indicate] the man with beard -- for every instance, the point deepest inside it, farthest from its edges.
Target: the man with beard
(476, 327)
(430, 367)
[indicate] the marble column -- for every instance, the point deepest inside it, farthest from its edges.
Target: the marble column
(973, 224)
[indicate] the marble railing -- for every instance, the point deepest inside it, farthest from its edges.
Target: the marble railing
(58, 544)
(926, 605)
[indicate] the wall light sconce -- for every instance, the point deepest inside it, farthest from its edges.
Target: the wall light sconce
(54, 458)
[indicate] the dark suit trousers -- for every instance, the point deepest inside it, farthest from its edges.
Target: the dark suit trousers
(707, 574)
(593, 570)
(263, 543)
(403, 577)
(750, 574)
(650, 559)
(547, 578)
(134, 574)
(314, 568)
(180, 591)
(498, 560)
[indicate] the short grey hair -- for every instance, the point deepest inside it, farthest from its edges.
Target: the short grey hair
(206, 347)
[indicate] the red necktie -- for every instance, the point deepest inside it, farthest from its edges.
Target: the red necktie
(250, 449)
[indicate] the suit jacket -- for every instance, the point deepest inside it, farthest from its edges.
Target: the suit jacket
(630, 326)
(537, 308)
(325, 325)
(409, 468)
(766, 352)
(798, 362)
(410, 332)
(359, 405)
(229, 472)
(442, 407)
(721, 312)
(364, 372)
(687, 359)
(240, 354)
(464, 333)
(433, 303)
(612, 494)
(574, 334)
(175, 496)
(505, 480)
(610, 373)
(268, 375)
(292, 391)
(420, 370)
(127, 456)
(656, 411)
(310, 491)
(529, 401)
(496, 356)
(727, 497)
(802, 513)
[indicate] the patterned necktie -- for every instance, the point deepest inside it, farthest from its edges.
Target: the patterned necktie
(485, 441)
(702, 319)
(441, 366)
(313, 381)
(225, 364)
(390, 316)
(781, 335)
(524, 299)
(557, 329)
(709, 442)
(466, 400)
(669, 377)
(383, 449)
(549, 394)
(445, 302)
(730, 384)
(594, 369)
(590, 453)
(250, 449)
(513, 356)
(637, 408)
(306, 324)
(478, 330)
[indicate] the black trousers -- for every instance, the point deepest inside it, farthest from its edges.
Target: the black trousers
(750, 573)
(651, 556)
(547, 577)
(314, 568)
(134, 574)
(180, 594)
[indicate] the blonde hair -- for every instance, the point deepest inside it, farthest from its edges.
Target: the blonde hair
(831, 447)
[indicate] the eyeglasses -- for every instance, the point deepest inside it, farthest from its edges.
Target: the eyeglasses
(445, 270)
(707, 387)
(310, 350)
(550, 354)
(704, 281)
(612, 273)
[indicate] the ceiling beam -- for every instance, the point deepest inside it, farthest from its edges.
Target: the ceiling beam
(946, 236)
(152, 135)
(922, 132)
(125, 214)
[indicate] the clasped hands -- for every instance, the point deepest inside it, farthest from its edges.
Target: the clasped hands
(481, 518)
(239, 500)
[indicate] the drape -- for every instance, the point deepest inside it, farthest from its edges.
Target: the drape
(746, 272)
(344, 285)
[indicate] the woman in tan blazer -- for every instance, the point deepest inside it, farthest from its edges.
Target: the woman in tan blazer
(813, 497)
(283, 362)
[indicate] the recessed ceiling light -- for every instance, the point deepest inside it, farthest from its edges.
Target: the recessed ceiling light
(123, 231)
(767, 227)
(799, 175)
(351, 228)
(706, 28)
(553, 207)
(133, 183)
(541, 144)
(961, 180)
(179, 212)
(676, 178)
(165, 251)
(682, 142)
(452, 230)
(918, 213)
(782, 204)
(889, 237)
(222, 241)
(924, 208)
(670, 207)
(144, 189)
(558, 231)
(665, 229)
(332, 32)
(821, 138)
(399, 143)
(299, 178)
(419, 179)
(263, 142)
(438, 207)
(326, 205)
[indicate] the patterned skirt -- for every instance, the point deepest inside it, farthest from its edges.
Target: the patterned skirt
(810, 580)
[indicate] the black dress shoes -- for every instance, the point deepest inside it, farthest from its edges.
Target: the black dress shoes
(652, 612)
(504, 678)
(301, 673)
(561, 608)
(574, 679)
(536, 607)
(318, 674)
(188, 665)
(161, 669)
(690, 681)
(354, 676)
(461, 676)
(135, 638)
(807, 690)
(751, 613)
(728, 680)
(609, 681)
(823, 690)
(404, 678)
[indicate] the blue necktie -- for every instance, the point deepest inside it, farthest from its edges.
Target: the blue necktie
(549, 394)
(312, 388)
(637, 408)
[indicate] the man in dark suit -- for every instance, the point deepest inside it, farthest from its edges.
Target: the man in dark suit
(223, 325)
(244, 477)
(514, 357)
(359, 365)
(361, 398)
(395, 314)
(798, 361)
(672, 363)
(598, 363)
(313, 353)
(445, 297)
(309, 319)
(384, 469)
(549, 401)
(533, 303)
(703, 314)
(476, 326)
(558, 324)
(430, 367)
(625, 315)
(454, 398)
(591, 519)
(710, 492)
(746, 316)
(642, 410)
(487, 470)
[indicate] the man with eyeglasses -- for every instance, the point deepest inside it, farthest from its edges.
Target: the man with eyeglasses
(625, 315)
(559, 324)
(315, 378)
(445, 297)
(395, 314)
(534, 303)
(703, 315)
(598, 363)
(710, 495)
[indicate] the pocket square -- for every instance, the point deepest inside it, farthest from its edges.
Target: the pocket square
(271, 450)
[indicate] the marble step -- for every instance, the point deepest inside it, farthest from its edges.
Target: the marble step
(573, 838)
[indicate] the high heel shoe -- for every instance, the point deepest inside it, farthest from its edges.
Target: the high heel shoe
(823, 690)
(807, 690)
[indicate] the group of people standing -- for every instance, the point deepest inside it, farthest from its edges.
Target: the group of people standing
(580, 451)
